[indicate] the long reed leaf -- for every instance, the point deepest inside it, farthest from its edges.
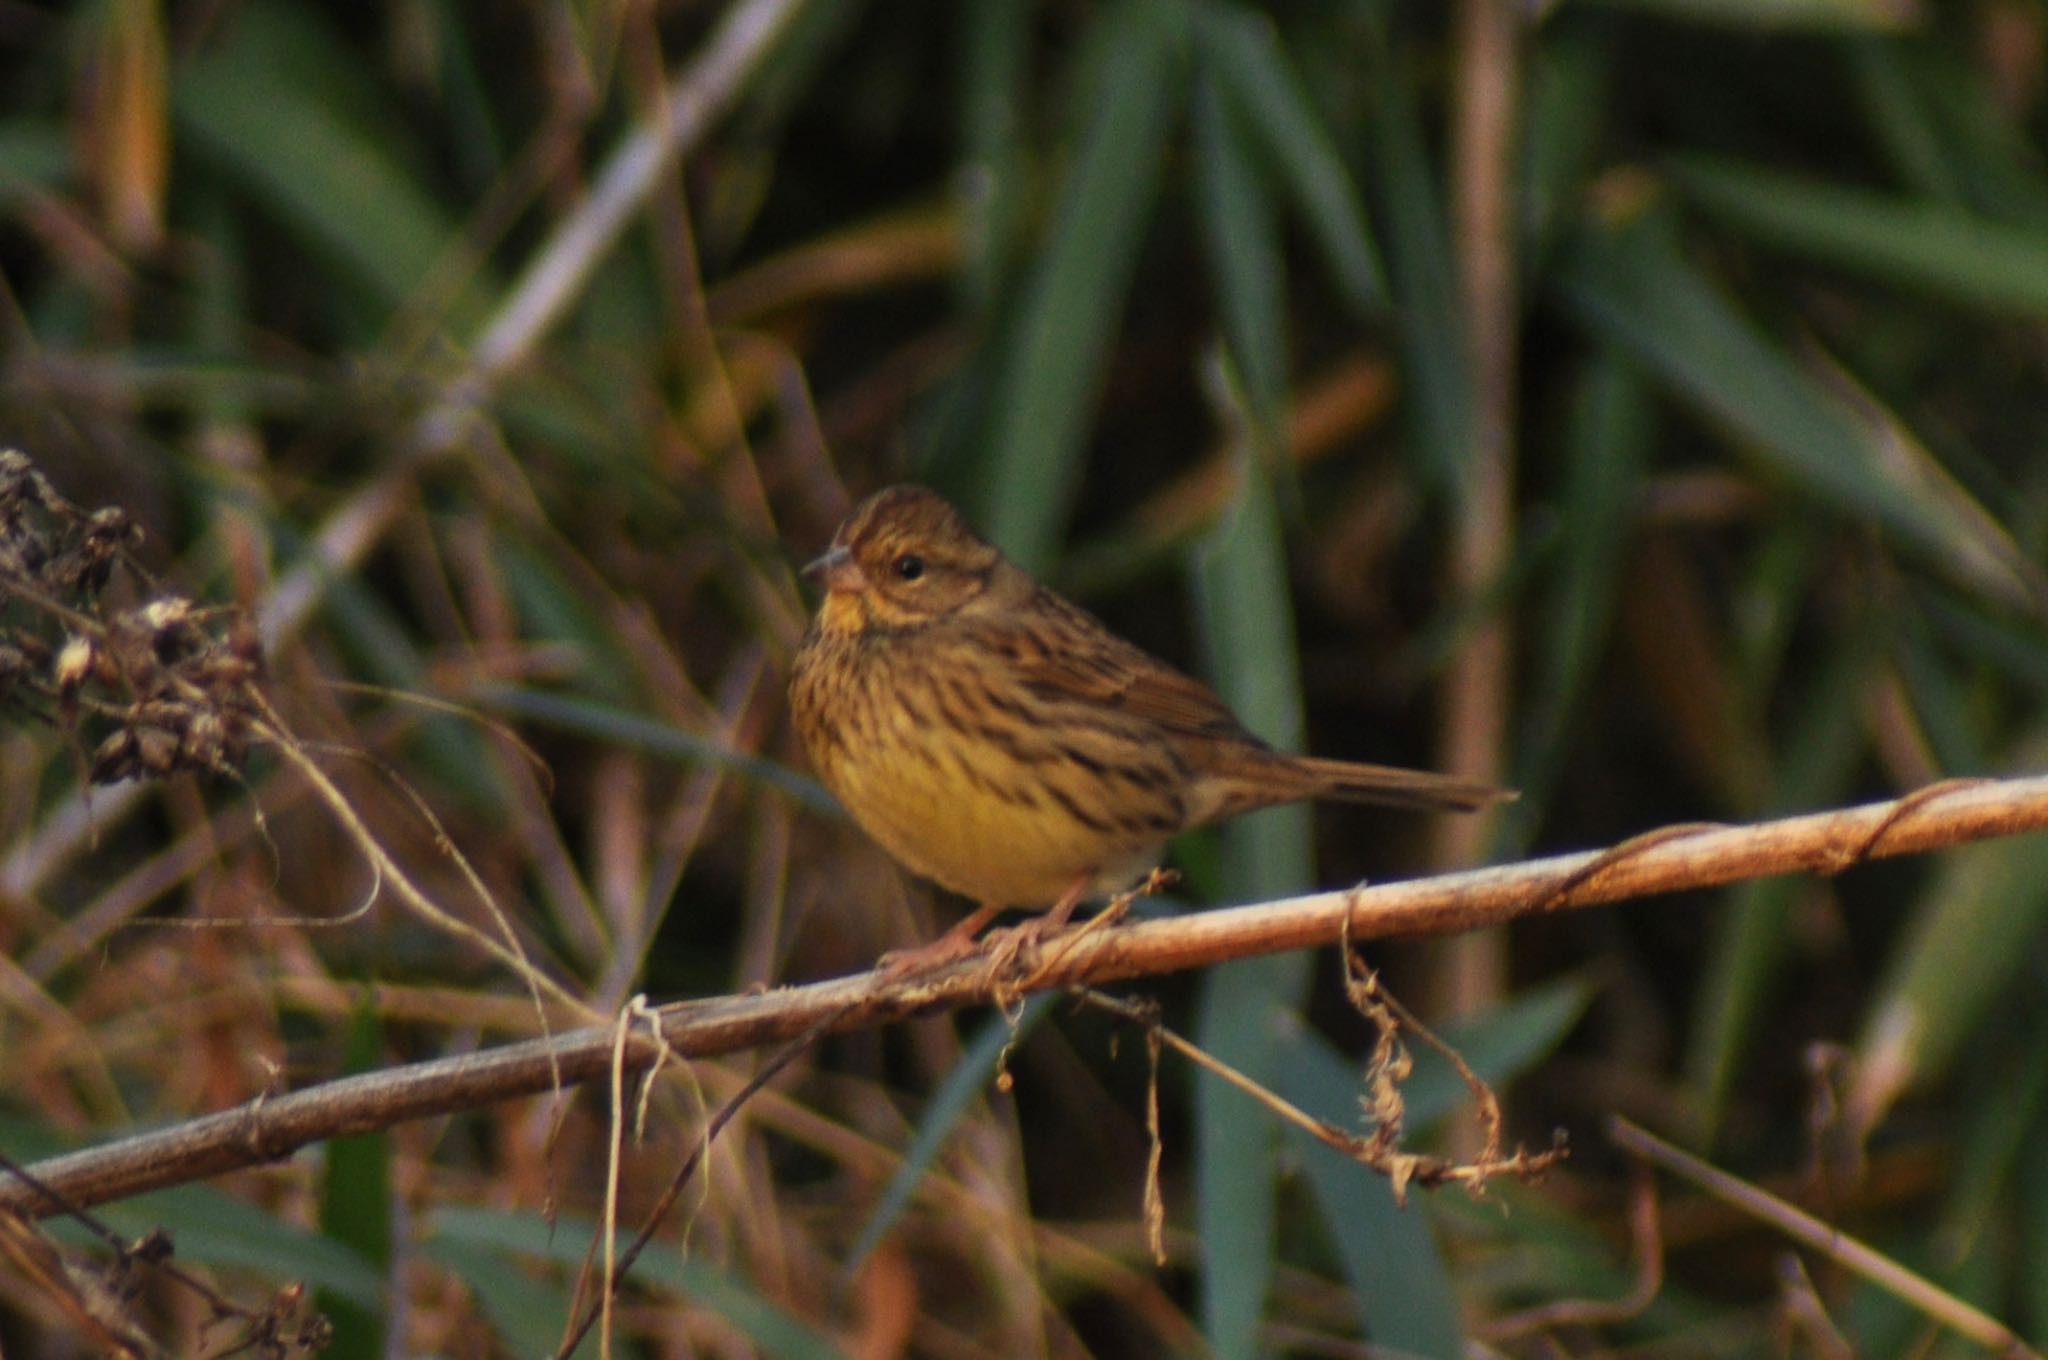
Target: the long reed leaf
(1629, 282)
(1240, 51)
(1920, 244)
(1057, 353)
(1240, 575)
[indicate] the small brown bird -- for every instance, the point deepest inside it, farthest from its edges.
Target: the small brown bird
(1003, 742)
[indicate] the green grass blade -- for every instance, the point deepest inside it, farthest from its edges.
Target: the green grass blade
(1939, 690)
(1398, 1274)
(1240, 51)
(210, 1228)
(1244, 253)
(1236, 1214)
(34, 155)
(1629, 283)
(1400, 1281)
(1972, 932)
(1607, 445)
(1498, 1046)
(1922, 245)
(461, 80)
(1900, 119)
(564, 1242)
(2006, 1095)
(570, 714)
(1245, 607)
(1994, 156)
(1750, 942)
(529, 1314)
(1427, 308)
(1242, 596)
(1058, 350)
(257, 106)
(1991, 638)
(961, 1088)
(1538, 1249)
(355, 1207)
(992, 181)
(1570, 81)
(382, 652)
(2031, 1284)
(215, 1229)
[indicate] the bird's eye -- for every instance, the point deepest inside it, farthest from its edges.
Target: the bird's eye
(910, 566)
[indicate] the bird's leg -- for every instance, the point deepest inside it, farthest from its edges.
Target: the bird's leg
(1063, 910)
(956, 943)
(1042, 928)
(1045, 927)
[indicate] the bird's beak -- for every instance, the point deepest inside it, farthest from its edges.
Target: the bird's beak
(837, 572)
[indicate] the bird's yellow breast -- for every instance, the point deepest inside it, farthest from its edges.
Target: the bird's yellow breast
(958, 791)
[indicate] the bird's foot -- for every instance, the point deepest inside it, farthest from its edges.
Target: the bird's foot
(899, 964)
(1036, 934)
(956, 944)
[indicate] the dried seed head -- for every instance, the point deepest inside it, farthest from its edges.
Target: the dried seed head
(205, 740)
(158, 688)
(245, 643)
(112, 527)
(74, 666)
(168, 614)
(156, 749)
(113, 760)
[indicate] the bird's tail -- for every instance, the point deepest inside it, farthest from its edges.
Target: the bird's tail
(1390, 786)
(1260, 778)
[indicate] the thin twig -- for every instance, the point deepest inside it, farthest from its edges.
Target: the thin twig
(392, 874)
(617, 1271)
(151, 1253)
(1822, 842)
(1844, 1250)
(1377, 1151)
(1804, 1317)
(1647, 1242)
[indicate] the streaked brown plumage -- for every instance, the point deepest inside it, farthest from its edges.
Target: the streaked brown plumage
(1003, 742)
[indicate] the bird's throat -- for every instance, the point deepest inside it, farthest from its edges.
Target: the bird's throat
(844, 615)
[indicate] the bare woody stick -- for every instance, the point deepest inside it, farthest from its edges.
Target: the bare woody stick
(1669, 860)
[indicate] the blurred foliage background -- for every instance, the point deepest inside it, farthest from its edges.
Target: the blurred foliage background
(1638, 402)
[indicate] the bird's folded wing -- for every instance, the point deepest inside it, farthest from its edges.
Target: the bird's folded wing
(1098, 668)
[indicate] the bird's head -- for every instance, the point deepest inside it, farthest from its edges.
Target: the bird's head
(904, 559)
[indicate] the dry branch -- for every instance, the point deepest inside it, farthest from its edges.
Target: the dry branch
(1664, 861)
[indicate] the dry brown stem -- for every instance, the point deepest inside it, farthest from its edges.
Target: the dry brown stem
(1380, 1150)
(1647, 1241)
(1695, 857)
(1478, 685)
(1837, 1246)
